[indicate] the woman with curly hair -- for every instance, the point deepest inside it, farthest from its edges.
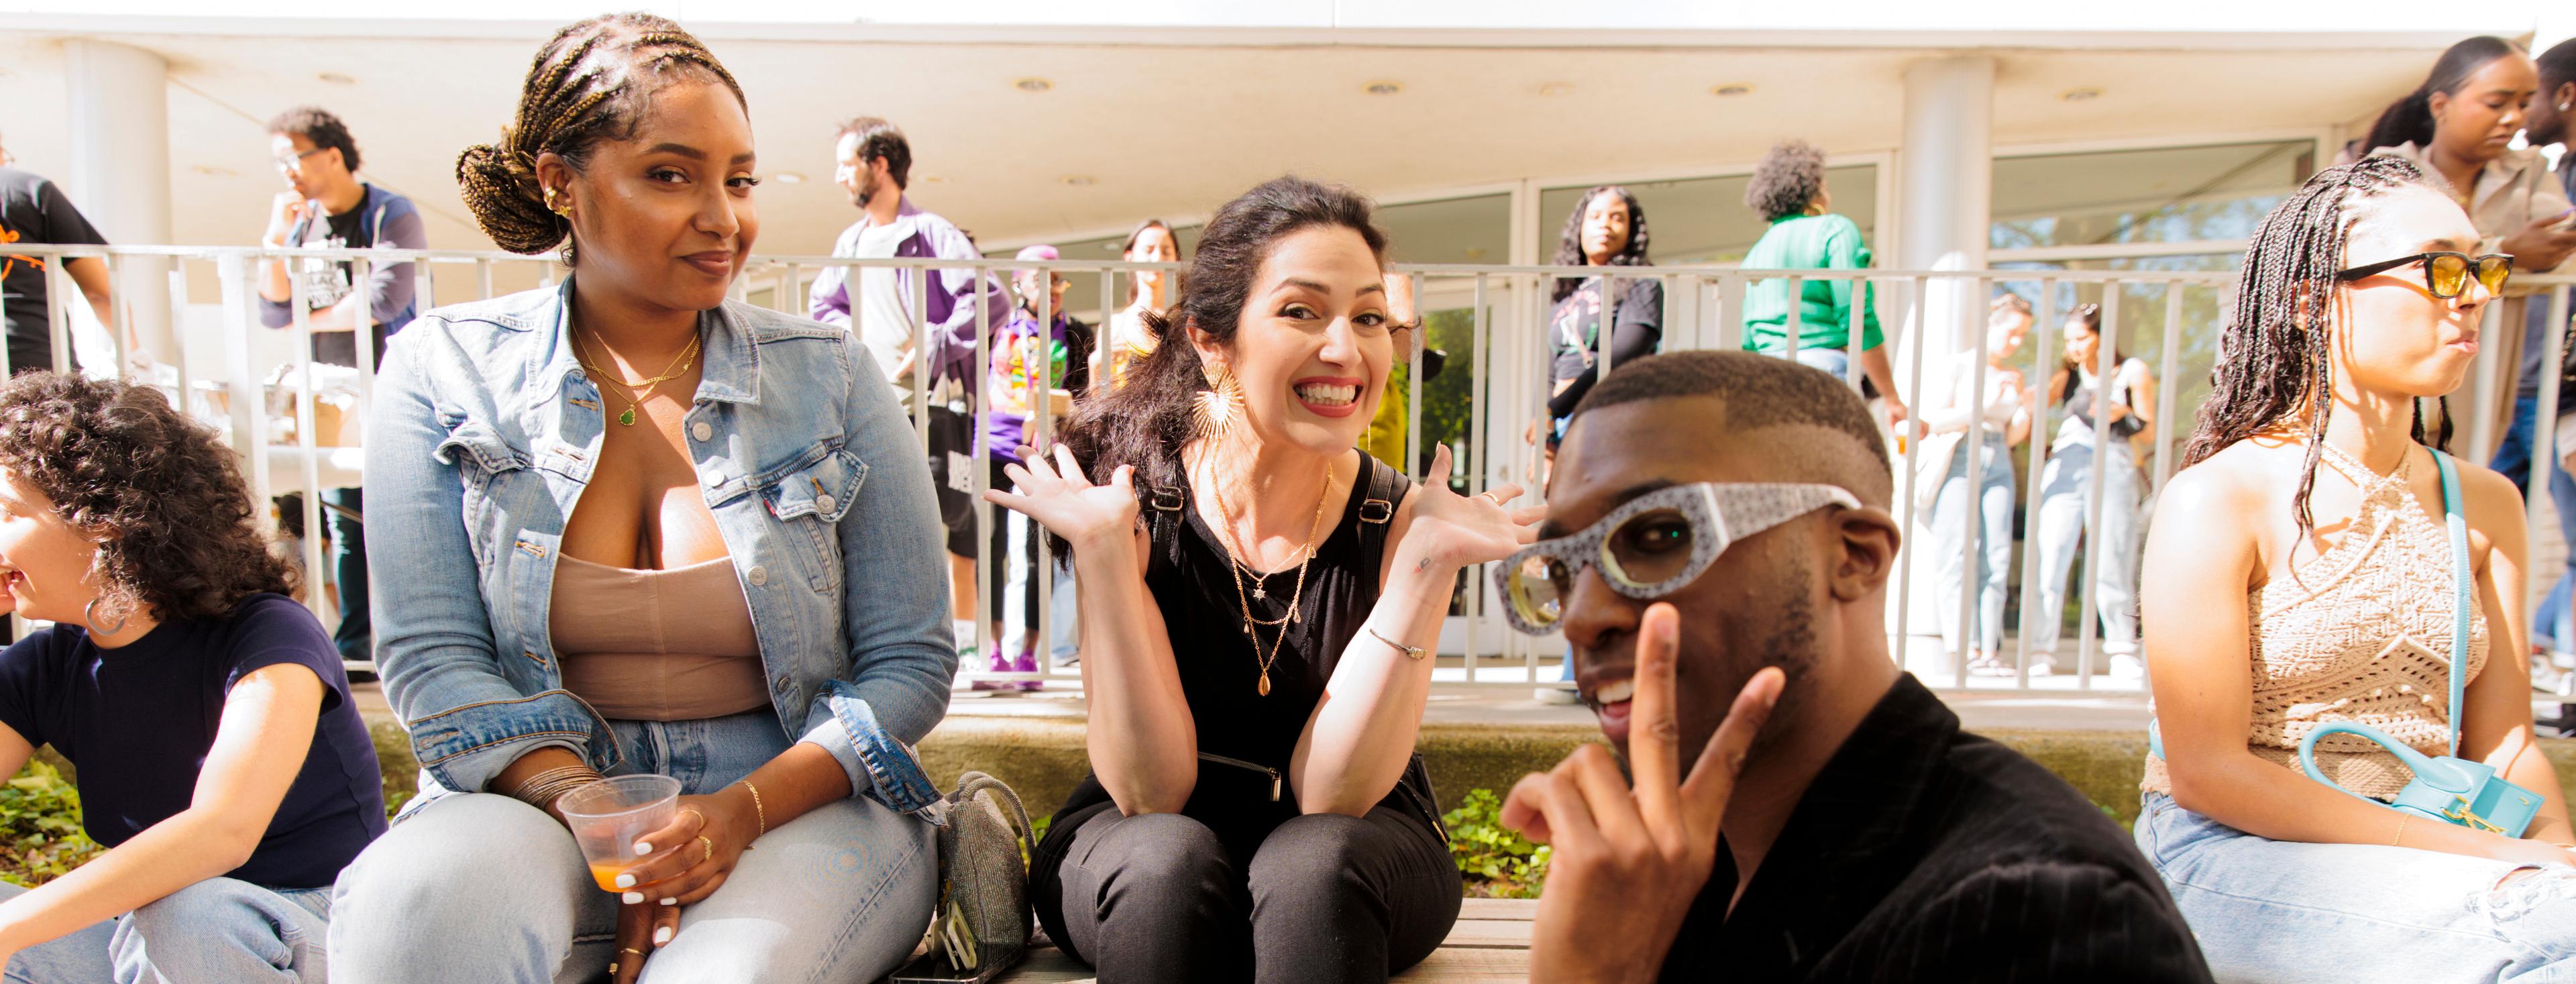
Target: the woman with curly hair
(220, 759)
(1788, 188)
(642, 530)
(1607, 228)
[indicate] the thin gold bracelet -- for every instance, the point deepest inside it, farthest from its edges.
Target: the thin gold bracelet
(758, 811)
(2401, 830)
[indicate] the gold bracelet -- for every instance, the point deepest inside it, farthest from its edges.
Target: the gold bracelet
(2401, 830)
(758, 812)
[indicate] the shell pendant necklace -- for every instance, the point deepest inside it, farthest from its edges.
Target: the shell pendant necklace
(1235, 568)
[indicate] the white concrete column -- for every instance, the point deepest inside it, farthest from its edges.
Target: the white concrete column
(120, 175)
(1944, 193)
(1944, 196)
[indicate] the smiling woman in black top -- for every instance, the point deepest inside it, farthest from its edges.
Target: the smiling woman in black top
(220, 758)
(1254, 650)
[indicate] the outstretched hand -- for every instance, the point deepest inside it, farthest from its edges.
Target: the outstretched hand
(1059, 497)
(1628, 861)
(1451, 530)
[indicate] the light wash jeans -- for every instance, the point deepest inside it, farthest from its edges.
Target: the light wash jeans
(2279, 911)
(1991, 461)
(481, 887)
(2065, 495)
(1831, 361)
(220, 929)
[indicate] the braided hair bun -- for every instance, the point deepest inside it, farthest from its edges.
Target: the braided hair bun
(503, 194)
(590, 83)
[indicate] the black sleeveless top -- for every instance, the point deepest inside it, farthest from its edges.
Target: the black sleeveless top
(1220, 668)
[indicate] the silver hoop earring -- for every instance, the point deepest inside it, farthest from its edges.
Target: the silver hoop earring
(89, 615)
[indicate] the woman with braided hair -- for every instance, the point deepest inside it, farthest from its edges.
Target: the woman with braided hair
(629, 526)
(2306, 530)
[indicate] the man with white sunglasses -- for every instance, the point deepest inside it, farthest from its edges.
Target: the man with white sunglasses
(1717, 552)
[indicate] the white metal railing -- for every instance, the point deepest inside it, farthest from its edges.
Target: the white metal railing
(1508, 314)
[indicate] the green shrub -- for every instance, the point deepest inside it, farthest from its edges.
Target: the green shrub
(40, 827)
(1498, 861)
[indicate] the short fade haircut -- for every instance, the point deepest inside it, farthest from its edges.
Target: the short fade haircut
(318, 127)
(1759, 391)
(1786, 181)
(878, 138)
(2557, 66)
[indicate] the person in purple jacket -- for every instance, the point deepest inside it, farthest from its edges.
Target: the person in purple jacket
(878, 305)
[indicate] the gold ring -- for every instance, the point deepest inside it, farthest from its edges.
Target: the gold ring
(629, 949)
(702, 818)
(711, 849)
(1489, 497)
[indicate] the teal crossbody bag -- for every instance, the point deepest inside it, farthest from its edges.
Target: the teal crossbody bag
(2449, 789)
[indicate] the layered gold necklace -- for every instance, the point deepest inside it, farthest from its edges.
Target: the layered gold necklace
(635, 392)
(1260, 589)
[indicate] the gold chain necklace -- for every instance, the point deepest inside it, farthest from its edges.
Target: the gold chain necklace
(679, 367)
(1235, 568)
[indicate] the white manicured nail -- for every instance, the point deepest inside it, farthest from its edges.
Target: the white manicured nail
(633, 898)
(643, 848)
(670, 901)
(661, 936)
(626, 881)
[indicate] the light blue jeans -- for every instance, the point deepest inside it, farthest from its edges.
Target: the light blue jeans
(481, 887)
(1991, 462)
(2278, 911)
(2065, 497)
(219, 929)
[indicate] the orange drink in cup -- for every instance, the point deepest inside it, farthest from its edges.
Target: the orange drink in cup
(607, 818)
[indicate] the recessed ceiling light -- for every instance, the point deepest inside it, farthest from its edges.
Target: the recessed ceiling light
(1383, 88)
(1078, 180)
(336, 78)
(2084, 94)
(212, 171)
(789, 177)
(1733, 89)
(937, 179)
(1032, 84)
(1556, 88)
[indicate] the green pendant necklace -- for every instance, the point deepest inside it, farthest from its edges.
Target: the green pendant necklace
(679, 367)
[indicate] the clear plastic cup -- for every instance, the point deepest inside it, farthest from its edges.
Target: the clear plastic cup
(607, 818)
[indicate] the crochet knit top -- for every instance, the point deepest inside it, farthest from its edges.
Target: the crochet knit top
(2361, 633)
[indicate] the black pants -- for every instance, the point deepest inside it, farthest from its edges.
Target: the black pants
(1324, 898)
(997, 560)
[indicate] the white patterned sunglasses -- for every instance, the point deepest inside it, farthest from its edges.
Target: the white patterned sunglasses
(1651, 545)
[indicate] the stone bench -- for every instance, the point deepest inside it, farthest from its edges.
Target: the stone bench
(1490, 943)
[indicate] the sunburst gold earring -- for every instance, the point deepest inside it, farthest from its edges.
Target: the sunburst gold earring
(1220, 405)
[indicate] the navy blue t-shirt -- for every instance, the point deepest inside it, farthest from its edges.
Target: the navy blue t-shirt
(137, 723)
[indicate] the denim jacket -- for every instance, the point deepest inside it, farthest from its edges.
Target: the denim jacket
(485, 430)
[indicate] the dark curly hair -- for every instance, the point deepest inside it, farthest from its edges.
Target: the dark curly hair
(1786, 181)
(179, 535)
(1569, 244)
(323, 129)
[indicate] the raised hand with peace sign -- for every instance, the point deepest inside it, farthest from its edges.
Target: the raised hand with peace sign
(1629, 860)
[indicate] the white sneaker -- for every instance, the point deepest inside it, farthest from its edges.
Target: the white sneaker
(2127, 667)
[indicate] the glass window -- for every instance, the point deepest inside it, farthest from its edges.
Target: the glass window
(1452, 230)
(2165, 194)
(1704, 220)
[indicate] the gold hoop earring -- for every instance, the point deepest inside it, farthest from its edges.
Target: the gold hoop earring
(557, 207)
(1220, 405)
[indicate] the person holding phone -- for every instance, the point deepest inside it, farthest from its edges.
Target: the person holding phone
(1717, 550)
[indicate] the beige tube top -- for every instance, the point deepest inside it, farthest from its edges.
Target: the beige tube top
(2360, 633)
(673, 645)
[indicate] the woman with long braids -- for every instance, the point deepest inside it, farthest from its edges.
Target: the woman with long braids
(1606, 229)
(632, 535)
(1258, 604)
(2307, 530)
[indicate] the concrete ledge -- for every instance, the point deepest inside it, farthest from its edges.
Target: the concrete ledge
(1043, 756)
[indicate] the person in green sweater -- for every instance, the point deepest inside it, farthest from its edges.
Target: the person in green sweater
(1788, 188)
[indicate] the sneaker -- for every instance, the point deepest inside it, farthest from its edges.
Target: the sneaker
(1027, 663)
(994, 663)
(2127, 667)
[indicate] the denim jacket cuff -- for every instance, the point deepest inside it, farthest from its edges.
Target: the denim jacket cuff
(878, 765)
(466, 747)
